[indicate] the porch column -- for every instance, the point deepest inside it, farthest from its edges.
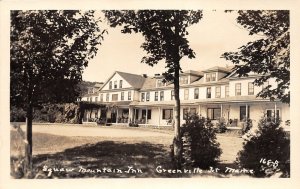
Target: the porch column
(134, 116)
(159, 112)
(221, 110)
(146, 115)
(199, 109)
(87, 115)
(117, 116)
(129, 115)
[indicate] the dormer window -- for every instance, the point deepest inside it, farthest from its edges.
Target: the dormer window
(210, 77)
(184, 80)
(160, 83)
(213, 76)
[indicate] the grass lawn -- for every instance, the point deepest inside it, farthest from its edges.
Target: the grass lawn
(81, 153)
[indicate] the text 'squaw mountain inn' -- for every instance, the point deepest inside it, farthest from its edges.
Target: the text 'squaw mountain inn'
(214, 93)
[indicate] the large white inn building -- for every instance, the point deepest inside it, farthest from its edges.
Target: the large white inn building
(213, 93)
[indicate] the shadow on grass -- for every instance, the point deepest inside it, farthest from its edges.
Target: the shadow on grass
(107, 155)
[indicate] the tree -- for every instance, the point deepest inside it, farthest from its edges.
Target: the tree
(268, 56)
(165, 34)
(267, 150)
(49, 50)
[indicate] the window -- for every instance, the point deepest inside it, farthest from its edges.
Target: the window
(196, 93)
(270, 113)
(167, 114)
(243, 113)
(238, 89)
(172, 94)
(114, 97)
(186, 94)
(96, 99)
(125, 113)
(208, 92)
(129, 95)
(107, 97)
(96, 114)
(156, 96)
(121, 84)
(193, 111)
(142, 97)
(147, 96)
(122, 95)
(91, 99)
(208, 77)
(160, 83)
(250, 88)
(185, 113)
(101, 97)
(144, 114)
(184, 80)
(213, 113)
(110, 85)
(149, 114)
(213, 77)
(227, 91)
(161, 95)
(115, 84)
(218, 92)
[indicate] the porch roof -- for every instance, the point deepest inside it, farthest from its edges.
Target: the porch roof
(233, 99)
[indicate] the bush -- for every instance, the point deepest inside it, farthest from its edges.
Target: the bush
(247, 125)
(17, 114)
(221, 126)
(269, 143)
(131, 124)
(200, 148)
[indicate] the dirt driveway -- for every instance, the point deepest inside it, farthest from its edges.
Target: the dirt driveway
(67, 130)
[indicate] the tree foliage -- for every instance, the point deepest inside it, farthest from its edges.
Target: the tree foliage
(49, 50)
(165, 33)
(271, 143)
(200, 146)
(268, 56)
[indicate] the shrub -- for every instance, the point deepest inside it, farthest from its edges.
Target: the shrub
(17, 114)
(200, 148)
(131, 124)
(221, 126)
(269, 143)
(247, 125)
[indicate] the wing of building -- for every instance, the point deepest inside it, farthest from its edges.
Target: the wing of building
(213, 93)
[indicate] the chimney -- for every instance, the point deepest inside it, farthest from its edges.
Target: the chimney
(144, 75)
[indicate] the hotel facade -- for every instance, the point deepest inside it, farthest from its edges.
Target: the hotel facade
(214, 93)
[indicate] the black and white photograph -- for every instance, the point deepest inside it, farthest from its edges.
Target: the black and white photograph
(166, 93)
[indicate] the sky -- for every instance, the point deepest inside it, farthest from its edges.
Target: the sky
(217, 32)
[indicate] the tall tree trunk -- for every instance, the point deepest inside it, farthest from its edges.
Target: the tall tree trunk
(29, 117)
(177, 143)
(28, 143)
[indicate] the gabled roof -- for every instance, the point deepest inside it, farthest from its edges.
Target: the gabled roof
(192, 72)
(136, 81)
(150, 83)
(219, 69)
